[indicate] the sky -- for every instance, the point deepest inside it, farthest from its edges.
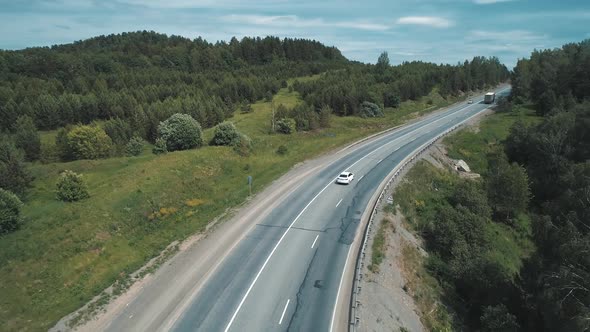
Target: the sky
(440, 31)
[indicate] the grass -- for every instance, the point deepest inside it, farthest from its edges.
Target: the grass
(473, 146)
(66, 253)
(379, 245)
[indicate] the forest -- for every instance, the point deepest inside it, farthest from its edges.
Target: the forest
(555, 285)
(144, 77)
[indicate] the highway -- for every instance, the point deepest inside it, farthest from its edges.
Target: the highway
(285, 272)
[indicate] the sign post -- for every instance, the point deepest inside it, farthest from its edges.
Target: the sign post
(250, 184)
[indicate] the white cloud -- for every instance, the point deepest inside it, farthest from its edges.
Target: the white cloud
(295, 21)
(202, 3)
(505, 36)
(489, 2)
(433, 21)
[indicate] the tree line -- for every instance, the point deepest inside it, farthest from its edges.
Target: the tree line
(345, 90)
(555, 285)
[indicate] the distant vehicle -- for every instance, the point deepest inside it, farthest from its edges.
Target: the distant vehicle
(470, 101)
(345, 178)
(489, 98)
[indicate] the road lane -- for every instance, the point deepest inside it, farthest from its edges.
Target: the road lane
(305, 267)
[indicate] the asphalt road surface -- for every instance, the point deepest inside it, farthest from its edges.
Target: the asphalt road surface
(285, 272)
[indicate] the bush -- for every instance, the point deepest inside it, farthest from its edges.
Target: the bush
(225, 134)
(134, 147)
(244, 145)
(181, 132)
(370, 110)
(27, 138)
(10, 206)
(391, 100)
(285, 126)
(89, 142)
(14, 176)
(160, 146)
(246, 107)
(71, 187)
(282, 150)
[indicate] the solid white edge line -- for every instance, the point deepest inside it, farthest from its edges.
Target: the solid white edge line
(380, 160)
(362, 176)
(270, 255)
(284, 311)
(314, 241)
(305, 208)
(339, 288)
(340, 201)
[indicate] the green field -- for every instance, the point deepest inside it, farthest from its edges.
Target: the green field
(66, 253)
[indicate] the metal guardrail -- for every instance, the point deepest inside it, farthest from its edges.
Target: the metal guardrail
(354, 319)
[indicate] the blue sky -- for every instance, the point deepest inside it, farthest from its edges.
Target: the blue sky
(441, 31)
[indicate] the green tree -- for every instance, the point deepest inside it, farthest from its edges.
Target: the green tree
(391, 99)
(370, 110)
(10, 206)
(382, 62)
(225, 134)
(134, 147)
(498, 319)
(71, 187)
(285, 126)
(181, 132)
(507, 186)
(14, 175)
(26, 137)
(160, 146)
(89, 142)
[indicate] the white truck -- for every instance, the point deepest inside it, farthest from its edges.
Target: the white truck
(489, 98)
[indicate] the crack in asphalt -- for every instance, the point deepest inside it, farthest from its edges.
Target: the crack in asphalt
(297, 228)
(300, 290)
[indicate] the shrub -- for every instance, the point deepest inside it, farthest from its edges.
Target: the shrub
(244, 145)
(285, 126)
(160, 146)
(89, 142)
(268, 96)
(181, 132)
(10, 206)
(225, 134)
(27, 138)
(246, 107)
(282, 150)
(370, 110)
(71, 187)
(134, 147)
(391, 100)
(14, 176)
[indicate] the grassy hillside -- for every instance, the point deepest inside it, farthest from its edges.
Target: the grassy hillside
(428, 190)
(66, 253)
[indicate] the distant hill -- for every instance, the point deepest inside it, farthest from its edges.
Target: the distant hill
(125, 75)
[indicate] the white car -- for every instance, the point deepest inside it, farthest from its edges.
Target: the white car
(345, 178)
(470, 101)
